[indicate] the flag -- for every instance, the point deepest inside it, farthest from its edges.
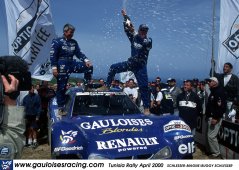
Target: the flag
(30, 33)
(229, 35)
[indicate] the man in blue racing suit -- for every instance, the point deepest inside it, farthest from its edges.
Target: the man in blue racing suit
(62, 51)
(137, 63)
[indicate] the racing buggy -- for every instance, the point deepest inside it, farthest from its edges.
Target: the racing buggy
(108, 125)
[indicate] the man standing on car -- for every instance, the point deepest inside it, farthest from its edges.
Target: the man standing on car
(137, 63)
(62, 51)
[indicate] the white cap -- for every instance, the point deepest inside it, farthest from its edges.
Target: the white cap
(214, 79)
(169, 79)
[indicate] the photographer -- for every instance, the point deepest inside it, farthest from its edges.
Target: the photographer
(12, 123)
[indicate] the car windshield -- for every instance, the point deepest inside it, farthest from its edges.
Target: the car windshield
(104, 104)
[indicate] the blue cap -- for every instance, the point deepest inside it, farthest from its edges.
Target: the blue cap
(143, 27)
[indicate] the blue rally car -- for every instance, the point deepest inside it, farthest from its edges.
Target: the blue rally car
(108, 125)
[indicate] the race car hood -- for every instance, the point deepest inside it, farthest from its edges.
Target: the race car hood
(124, 136)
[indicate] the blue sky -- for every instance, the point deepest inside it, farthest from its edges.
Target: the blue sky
(180, 29)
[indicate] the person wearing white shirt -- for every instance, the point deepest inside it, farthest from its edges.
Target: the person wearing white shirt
(131, 90)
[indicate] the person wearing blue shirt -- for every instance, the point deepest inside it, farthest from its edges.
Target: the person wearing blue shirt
(62, 51)
(32, 104)
(137, 63)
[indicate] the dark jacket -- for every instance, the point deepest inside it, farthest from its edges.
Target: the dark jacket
(232, 87)
(216, 105)
(63, 49)
(140, 47)
(189, 108)
(166, 103)
(32, 104)
(45, 94)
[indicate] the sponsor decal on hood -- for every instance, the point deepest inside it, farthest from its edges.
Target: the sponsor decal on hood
(68, 137)
(175, 125)
(127, 144)
(98, 124)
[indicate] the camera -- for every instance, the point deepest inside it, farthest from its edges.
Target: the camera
(17, 67)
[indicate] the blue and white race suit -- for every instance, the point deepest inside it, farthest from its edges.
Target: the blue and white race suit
(61, 55)
(137, 63)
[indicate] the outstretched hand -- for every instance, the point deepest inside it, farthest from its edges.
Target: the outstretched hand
(127, 21)
(88, 64)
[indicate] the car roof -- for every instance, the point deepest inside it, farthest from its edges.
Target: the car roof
(96, 91)
(107, 93)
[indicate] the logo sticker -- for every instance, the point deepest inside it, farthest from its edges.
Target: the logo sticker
(68, 137)
(4, 150)
(232, 42)
(6, 165)
(45, 67)
(176, 125)
(186, 148)
(105, 123)
(127, 144)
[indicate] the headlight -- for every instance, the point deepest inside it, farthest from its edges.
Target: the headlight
(163, 153)
(96, 156)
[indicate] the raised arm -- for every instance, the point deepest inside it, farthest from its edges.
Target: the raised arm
(128, 26)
